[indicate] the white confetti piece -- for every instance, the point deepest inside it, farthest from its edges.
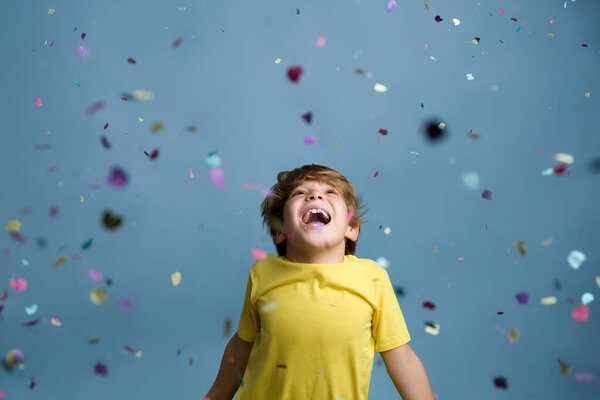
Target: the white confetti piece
(380, 88)
(456, 21)
(470, 77)
(587, 298)
(575, 259)
(564, 158)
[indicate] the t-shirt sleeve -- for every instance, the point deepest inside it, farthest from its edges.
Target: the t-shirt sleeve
(249, 324)
(389, 327)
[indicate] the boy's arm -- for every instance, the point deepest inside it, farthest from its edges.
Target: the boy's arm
(233, 366)
(407, 373)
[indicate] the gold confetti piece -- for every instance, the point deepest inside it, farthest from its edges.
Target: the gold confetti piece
(495, 88)
(426, 6)
(277, 60)
(387, 230)
(228, 325)
(435, 330)
(81, 198)
(98, 295)
(474, 41)
(62, 259)
(513, 334)
(565, 368)
(13, 226)
(501, 41)
(521, 247)
(415, 153)
(435, 249)
(380, 88)
(336, 145)
(549, 35)
(456, 21)
(94, 340)
(564, 158)
(176, 278)
(51, 11)
(442, 125)
(140, 119)
(139, 354)
(587, 94)
(55, 321)
(142, 95)
(548, 300)
(548, 241)
(157, 127)
(598, 281)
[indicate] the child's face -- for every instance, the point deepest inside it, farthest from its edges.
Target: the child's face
(313, 238)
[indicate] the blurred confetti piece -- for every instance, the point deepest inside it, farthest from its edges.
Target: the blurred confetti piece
(191, 174)
(101, 369)
(98, 295)
(587, 298)
(470, 77)
(13, 226)
(31, 310)
(51, 11)
(564, 158)
(38, 102)
(487, 194)
(382, 262)
(131, 60)
(157, 127)
(379, 88)
(548, 300)
(598, 281)
(501, 10)
(176, 278)
(86, 245)
(548, 172)
(513, 335)
(307, 117)
(117, 178)
(217, 177)
(470, 180)
(522, 297)
(587, 94)
(391, 5)
(521, 247)
(310, 140)
(126, 304)
(61, 260)
(258, 254)
(383, 131)
(387, 230)
(547, 241)
(500, 382)
(142, 95)
(55, 321)
(294, 73)
(580, 313)
(83, 51)
(94, 275)
(432, 328)
(575, 259)
(321, 41)
(456, 21)
(583, 377)
(177, 42)
(18, 285)
(213, 160)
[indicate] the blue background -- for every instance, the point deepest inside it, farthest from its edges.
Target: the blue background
(224, 80)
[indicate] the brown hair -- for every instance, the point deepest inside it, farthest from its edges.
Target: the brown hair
(272, 205)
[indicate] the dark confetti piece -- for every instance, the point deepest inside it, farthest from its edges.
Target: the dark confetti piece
(87, 244)
(487, 194)
(294, 73)
(584, 45)
(383, 131)
(54, 211)
(106, 125)
(177, 42)
(108, 282)
(521, 247)
(131, 60)
(32, 384)
(105, 142)
(31, 323)
(560, 169)
(297, 11)
(478, 39)
(117, 178)
(522, 298)
(514, 19)
(399, 291)
(307, 117)
(435, 130)
(4, 296)
(152, 155)
(500, 313)
(101, 369)
(557, 284)
(83, 35)
(19, 237)
(500, 382)
(428, 304)
(1, 308)
(95, 107)
(111, 221)
(438, 18)
(94, 340)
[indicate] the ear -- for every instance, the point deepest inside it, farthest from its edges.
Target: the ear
(279, 237)
(352, 233)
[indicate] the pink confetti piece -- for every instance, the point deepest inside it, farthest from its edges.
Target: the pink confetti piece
(376, 174)
(126, 304)
(258, 254)
(321, 41)
(38, 102)
(250, 186)
(18, 284)
(349, 217)
(217, 177)
(310, 140)
(95, 275)
(501, 10)
(583, 377)
(426, 46)
(580, 313)
(391, 5)
(191, 174)
(461, 259)
(2, 394)
(551, 21)
(83, 51)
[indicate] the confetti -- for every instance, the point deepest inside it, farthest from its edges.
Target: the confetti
(117, 178)
(18, 285)
(310, 140)
(307, 117)
(487, 194)
(95, 275)
(51, 11)
(438, 18)
(522, 297)
(131, 60)
(435, 130)
(176, 278)
(548, 300)
(126, 304)
(101, 369)
(376, 174)
(587, 298)
(580, 313)
(575, 259)
(55, 321)
(38, 102)
(13, 226)
(456, 21)
(31, 310)
(321, 41)
(521, 247)
(564, 158)
(500, 382)
(258, 254)
(470, 180)
(217, 177)
(98, 295)
(391, 5)
(380, 88)
(470, 77)
(83, 51)
(383, 131)
(177, 42)
(294, 73)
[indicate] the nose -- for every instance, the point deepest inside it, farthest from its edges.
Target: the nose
(312, 196)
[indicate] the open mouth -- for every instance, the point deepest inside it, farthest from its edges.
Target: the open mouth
(316, 218)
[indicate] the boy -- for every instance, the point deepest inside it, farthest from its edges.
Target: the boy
(314, 315)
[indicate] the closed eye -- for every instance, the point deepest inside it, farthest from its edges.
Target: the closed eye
(329, 191)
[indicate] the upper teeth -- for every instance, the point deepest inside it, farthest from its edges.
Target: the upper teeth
(314, 211)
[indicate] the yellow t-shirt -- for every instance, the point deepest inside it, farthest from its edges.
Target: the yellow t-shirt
(315, 328)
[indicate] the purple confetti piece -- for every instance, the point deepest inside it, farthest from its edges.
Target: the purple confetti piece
(438, 18)
(105, 142)
(83, 35)
(217, 176)
(177, 42)
(584, 377)
(307, 117)
(101, 369)
(266, 192)
(1, 308)
(95, 275)
(126, 304)
(31, 323)
(32, 384)
(310, 140)
(391, 5)
(117, 178)
(95, 107)
(487, 194)
(83, 51)
(522, 297)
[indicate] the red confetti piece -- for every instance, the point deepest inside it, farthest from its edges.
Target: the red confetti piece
(106, 126)
(383, 131)
(177, 42)
(124, 98)
(560, 169)
(514, 19)
(429, 305)
(4, 296)
(154, 155)
(95, 107)
(584, 45)
(131, 60)
(500, 313)
(376, 174)
(294, 73)
(478, 39)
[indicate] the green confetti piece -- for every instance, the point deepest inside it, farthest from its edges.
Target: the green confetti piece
(297, 11)
(518, 29)
(77, 83)
(87, 245)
